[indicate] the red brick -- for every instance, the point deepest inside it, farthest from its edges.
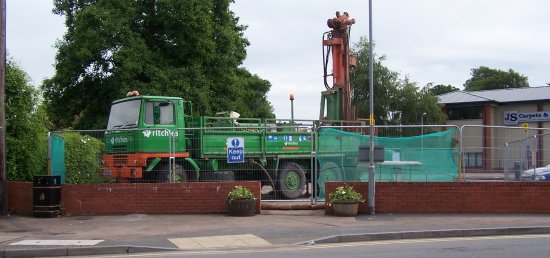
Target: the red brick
(485, 197)
(124, 198)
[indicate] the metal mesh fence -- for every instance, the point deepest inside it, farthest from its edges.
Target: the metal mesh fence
(277, 156)
(504, 151)
(78, 154)
(293, 162)
(410, 154)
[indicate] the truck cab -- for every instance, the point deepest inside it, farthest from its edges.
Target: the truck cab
(139, 134)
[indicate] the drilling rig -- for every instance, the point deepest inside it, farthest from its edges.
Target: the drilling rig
(336, 100)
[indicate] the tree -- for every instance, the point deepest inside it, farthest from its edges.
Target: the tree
(192, 49)
(26, 130)
(440, 89)
(396, 101)
(484, 78)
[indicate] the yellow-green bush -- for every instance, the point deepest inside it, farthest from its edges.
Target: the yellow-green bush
(82, 158)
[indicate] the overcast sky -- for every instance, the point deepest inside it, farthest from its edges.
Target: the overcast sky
(437, 41)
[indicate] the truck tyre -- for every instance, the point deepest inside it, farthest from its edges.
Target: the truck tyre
(291, 180)
(180, 175)
(329, 172)
(161, 174)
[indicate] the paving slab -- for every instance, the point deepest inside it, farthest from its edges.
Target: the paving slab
(142, 232)
(245, 240)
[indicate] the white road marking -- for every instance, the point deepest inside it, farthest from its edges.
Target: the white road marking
(57, 242)
(273, 249)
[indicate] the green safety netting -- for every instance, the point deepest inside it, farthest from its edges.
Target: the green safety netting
(424, 158)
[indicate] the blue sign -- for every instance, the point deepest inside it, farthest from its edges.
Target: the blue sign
(235, 142)
(272, 138)
(514, 117)
(235, 150)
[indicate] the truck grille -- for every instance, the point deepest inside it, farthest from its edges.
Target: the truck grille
(120, 160)
(121, 148)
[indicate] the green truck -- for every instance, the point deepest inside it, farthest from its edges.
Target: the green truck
(153, 139)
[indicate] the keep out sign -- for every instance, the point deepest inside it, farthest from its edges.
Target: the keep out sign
(235, 150)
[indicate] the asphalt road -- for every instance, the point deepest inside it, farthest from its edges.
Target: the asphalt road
(488, 246)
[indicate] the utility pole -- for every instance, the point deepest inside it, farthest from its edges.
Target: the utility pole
(3, 172)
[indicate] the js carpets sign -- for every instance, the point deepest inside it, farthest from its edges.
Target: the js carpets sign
(514, 117)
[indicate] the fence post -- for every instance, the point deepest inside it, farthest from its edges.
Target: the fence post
(506, 161)
(461, 153)
(313, 179)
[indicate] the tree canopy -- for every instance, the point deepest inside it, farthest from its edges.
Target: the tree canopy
(26, 130)
(485, 78)
(441, 89)
(396, 101)
(191, 49)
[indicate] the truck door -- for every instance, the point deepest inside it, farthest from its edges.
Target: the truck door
(159, 122)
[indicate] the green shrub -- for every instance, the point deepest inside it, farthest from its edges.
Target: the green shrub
(82, 158)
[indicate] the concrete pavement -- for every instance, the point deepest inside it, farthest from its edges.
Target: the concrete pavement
(24, 236)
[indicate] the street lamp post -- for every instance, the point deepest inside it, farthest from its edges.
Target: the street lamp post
(372, 184)
(292, 108)
(422, 123)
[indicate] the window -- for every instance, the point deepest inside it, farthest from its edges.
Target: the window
(124, 115)
(461, 113)
(166, 112)
(473, 159)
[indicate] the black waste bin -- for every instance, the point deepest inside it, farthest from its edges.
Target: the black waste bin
(46, 196)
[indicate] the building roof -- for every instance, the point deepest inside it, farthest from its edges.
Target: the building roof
(501, 96)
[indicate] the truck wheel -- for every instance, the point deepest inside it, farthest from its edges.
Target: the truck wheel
(180, 175)
(162, 173)
(329, 172)
(291, 180)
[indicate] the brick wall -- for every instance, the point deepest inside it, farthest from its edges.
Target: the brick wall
(125, 198)
(209, 197)
(474, 197)
(20, 197)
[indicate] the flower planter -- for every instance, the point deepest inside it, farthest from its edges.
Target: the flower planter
(242, 208)
(345, 208)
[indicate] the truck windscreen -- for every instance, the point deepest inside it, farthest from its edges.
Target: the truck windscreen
(124, 115)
